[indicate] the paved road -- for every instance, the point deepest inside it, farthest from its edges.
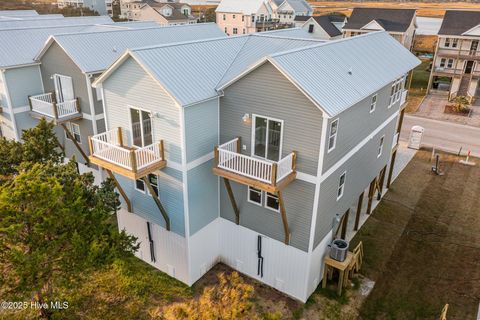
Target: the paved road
(444, 135)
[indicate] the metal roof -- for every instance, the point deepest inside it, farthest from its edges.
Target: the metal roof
(95, 52)
(340, 73)
(299, 5)
(246, 7)
(53, 22)
(18, 13)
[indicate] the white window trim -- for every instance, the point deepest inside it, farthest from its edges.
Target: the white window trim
(330, 135)
(252, 149)
(374, 104)
(270, 208)
(254, 202)
(144, 191)
(341, 186)
(69, 126)
(380, 147)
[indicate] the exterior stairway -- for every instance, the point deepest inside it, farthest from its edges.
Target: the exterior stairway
(464, 84)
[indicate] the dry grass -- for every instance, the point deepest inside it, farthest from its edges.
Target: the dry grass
(424, 9)
(422, 244)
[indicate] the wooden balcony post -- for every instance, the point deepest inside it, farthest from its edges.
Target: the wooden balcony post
(90, 145)
(55, 111)
(77, 104)
(274, 174)
(215, 157)
(239, 144)
(133, 160)
(119, 136)
(162, 150)
(30, 103)
(294, 161)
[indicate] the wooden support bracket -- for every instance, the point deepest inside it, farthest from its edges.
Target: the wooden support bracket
(120, 189)
(157, 201)
(232, 200)
(343, 234)
(71, 137)
(359, 211)
(390, 170)
(371, 192)
(284, 217)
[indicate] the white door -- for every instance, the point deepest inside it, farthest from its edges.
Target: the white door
(63, 88)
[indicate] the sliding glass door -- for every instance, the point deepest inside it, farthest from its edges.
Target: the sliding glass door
(267, 138)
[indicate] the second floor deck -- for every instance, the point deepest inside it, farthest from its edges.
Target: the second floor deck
(270, 176)
(46, 106)
(108, 151)
(458, 53)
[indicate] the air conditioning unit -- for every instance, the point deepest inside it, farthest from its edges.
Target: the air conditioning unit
(339, 250)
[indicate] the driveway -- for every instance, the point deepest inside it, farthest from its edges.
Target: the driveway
(444, 135)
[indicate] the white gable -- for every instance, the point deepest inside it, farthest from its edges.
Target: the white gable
(475, 31)
(373, 25)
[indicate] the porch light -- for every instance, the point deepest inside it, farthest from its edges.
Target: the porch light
(246, 119)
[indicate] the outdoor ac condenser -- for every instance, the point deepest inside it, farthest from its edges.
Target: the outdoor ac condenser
(339, 250)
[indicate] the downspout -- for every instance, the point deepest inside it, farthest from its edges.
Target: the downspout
(10, 106)
(92, 106)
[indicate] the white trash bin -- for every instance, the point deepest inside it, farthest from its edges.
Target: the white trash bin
(415, 139)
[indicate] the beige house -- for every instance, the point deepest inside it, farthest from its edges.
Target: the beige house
(399, 23)
(167, 13)
(455, 68)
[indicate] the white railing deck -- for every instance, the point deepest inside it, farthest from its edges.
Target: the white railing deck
(255, 168)
(107, 146)
(45, 104)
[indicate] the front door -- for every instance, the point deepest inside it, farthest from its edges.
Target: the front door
(141, 127)
(474, 47)
(63, 88)
(267, 138)
(468, 67)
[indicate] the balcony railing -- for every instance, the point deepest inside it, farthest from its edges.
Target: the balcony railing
(46, 105)
(453, 71)
(229, 158)
(107, 150)
(403, 98)
(455, 52)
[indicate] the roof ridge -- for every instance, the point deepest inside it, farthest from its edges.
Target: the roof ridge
(326, 43)
(232, 62)
(286, 37)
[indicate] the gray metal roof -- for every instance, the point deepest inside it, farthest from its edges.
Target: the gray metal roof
(53, 22)
(18, 13)
(193, 71)
(338, 74)
(95, 52)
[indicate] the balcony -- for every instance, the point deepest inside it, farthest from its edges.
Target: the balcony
(45, 106)
(442, 71)
(270, 176)
(108, 151)
(457, 53)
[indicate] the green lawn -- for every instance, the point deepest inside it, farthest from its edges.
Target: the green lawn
(418, 87)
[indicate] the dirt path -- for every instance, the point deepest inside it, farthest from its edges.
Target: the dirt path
(423, 244)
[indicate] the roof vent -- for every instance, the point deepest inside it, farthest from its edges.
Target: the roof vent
(114, 49)
(350, 71)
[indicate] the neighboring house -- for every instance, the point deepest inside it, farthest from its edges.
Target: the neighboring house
(20, 73)
(328, 27)
(455, 68)
(99, 6)
(163, 12)
(399, 23)
(69, 63)
(18, 13)
(288, 10)
(283, 137)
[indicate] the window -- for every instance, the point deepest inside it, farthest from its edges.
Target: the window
(74, 130)
(243, 18)
(373, 104)
(141, 127)
(442, 62)
(186, 12)
(233, 16)
(272, 202)
(454, 43)
(224, 17)
(380, 147)
(267, 137)
(253, 18)
(226, 30)
(341, 185)
(332, 135)
(396, 91)
(255, 196)
(63, 88)
(153, 179)
(450, 63)
(235, 31)
(243, 30)
(447, 42)
(310, 28)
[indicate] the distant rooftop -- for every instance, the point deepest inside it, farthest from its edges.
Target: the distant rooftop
(396, 20)
(53, 22)
(457, 22)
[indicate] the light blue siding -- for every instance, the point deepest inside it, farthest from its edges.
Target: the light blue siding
(361, 169)
(130, 86)
(24, 121)
(201, 129)
(23, 82)
(202, 196)
(170, 187)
